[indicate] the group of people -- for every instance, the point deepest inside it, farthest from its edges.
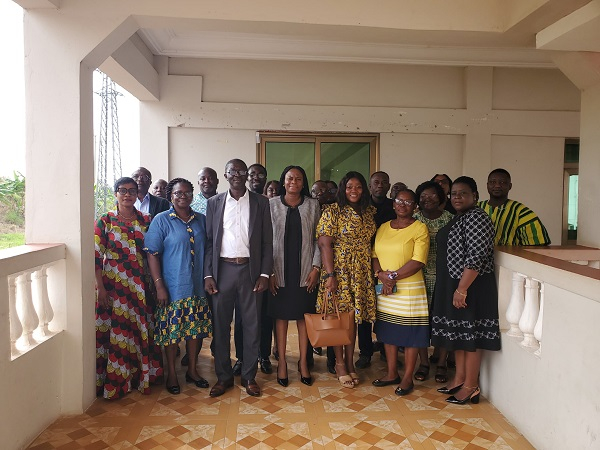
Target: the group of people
(419, 266)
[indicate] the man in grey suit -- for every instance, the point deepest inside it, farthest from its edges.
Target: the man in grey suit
(146, 202)
(238, 262)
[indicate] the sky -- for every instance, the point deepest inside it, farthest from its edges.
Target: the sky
(12, 103)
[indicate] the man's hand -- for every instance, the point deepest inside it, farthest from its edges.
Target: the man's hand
(210, 286)
(262, 284)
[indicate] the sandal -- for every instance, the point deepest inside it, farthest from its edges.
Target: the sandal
(345, 380)
(422, 373)
(440, 374)
(355, 379)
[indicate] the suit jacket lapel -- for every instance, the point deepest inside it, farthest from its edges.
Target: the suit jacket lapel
(253, 205)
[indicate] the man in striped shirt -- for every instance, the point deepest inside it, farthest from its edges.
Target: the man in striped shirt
(515, 223)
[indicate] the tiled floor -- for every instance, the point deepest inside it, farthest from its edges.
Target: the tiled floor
(324, 415)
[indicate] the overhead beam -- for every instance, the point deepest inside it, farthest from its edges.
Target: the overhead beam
(579, 31)
(130, 68)
(38, 4)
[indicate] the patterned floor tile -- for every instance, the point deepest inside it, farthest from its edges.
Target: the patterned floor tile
(322, 416)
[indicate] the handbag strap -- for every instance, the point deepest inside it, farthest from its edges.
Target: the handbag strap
(336, 309)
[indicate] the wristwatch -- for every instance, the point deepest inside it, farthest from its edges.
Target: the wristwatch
(328, 274)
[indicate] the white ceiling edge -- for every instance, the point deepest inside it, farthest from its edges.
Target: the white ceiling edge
(221, 45)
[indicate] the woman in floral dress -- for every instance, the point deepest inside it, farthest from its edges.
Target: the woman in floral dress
(126, 357)
(344, 232)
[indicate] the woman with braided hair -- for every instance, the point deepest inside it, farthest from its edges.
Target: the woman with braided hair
(175, 246)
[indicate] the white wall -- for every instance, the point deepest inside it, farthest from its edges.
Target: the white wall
(431, 119)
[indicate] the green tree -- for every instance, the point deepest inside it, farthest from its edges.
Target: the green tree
(12, 196)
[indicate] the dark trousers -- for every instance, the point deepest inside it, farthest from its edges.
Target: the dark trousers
(266, 332)
(236, 293)
(365, 339)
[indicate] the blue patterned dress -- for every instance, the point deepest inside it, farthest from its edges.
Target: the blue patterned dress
(180, 246)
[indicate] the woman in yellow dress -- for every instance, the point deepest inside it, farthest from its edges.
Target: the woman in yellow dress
(399, 254)
(344, 234)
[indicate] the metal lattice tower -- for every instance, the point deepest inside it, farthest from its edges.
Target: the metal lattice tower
(109, 148)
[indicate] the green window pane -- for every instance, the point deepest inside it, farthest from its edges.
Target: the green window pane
(338, 158)
(279, 155)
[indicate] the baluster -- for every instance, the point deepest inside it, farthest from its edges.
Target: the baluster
(43, 305)
(530, 314)
(25, 309)
(15, 323)
(537, 331)
(516, 305)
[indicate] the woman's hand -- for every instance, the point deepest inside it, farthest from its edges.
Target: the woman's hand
(273, 286)
(459, 300)
(162, 296)
(312, 280)
(103, 299)
(331, 285)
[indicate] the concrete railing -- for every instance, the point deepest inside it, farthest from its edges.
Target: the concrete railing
(547, 299)
(33, 278)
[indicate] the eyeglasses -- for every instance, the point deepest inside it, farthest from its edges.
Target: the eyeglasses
(262, 176)
(425, 196)
(141, 177)
(125, 191)
(238, 173)
(181, 194)
(401, 202)
(333, 191)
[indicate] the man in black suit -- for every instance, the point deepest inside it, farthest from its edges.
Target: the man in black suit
(146, 202)
(238, 262)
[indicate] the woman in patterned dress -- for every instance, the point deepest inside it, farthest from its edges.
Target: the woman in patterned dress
(465, 301)
(399, 254)
(125, 356)
(344, 234)
(175, 246)
(430, 198)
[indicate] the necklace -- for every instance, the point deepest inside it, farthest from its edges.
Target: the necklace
(125, 217)
(182, 218)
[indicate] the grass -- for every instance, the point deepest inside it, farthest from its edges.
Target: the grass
(9, 240)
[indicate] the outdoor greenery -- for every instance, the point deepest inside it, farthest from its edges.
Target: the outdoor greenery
(104, 199)
(12, 197)
(11, 240)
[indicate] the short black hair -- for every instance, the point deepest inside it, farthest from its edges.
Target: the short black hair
(468, 181)
(445, 176)
(379, 172)
(500, 170)
(124, 180)
(430, 185)
(305, 191)
(233, 161)
(365, 198)
(173, 182)
(332, 182)
(258, 165)
(410, 191)
(212, 171)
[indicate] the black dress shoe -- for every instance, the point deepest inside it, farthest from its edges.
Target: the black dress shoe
(305, 380)
(399, 391)
(283, 381)
(363, 362)
(473, 396)
(237, 368)
(201, 382)
(266, 366)
(331, 367)
(382, 383)
(451, 391)
(175, 389)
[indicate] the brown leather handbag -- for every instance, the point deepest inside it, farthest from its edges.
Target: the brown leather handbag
(330, 330)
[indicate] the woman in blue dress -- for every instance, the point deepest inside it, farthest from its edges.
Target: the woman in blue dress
(175, 246)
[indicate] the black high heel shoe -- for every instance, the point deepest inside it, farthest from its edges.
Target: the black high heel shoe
(201, 382)
(450, 391)
(304, 380)
(282, 381)
(174, 390)
(473, 396)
